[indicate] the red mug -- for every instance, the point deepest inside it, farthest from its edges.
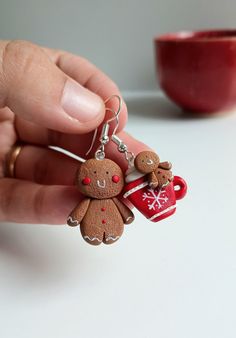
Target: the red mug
(197, 70)
(155, 204)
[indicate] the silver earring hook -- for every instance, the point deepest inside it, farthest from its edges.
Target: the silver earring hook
(104, 138)
(93, 141)
(117, 113)
(123, 148)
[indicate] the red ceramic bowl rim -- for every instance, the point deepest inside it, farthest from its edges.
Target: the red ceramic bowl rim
(211, 35)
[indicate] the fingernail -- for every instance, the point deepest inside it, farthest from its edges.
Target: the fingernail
(79, 103)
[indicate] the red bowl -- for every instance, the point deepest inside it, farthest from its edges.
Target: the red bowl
(197, 70)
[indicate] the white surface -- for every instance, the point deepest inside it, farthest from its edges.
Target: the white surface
(116, 35)
(173, 279)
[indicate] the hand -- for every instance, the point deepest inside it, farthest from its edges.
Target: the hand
(49, 98)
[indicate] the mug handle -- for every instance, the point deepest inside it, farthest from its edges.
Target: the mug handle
(182, 187)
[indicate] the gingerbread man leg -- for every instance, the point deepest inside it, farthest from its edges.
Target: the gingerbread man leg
(92, 234)
(112, 235)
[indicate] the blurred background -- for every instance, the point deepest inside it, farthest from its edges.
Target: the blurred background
(115, 35)
(174, 279)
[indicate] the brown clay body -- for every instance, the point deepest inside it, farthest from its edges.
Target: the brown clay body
(102, 222)
(164, 176)
(100, 214)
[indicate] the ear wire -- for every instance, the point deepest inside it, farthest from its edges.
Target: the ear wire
(104, 137)
(123, 148)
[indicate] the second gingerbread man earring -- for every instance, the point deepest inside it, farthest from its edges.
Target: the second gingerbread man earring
(158, 173)
(101, 215)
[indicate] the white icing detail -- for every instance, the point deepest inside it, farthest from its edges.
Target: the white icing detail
(92, 239)
(72, 220)
(149, 161)
(162, 212)
(112, 238)
(138, 187)
(133, 175)
(127, 219)
(158, 201)
(101, 184)
(165, 184)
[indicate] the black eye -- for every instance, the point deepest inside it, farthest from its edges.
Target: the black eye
(142, 160)
(95, 172)
(107, 172)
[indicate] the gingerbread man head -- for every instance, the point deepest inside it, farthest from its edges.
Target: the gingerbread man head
(100, 179)
(146, 161)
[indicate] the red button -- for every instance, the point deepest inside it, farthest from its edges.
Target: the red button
(115, 178)
(86, 181)
(103, 209)
(103, 221)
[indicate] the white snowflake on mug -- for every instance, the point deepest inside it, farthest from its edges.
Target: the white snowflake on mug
(155, 199)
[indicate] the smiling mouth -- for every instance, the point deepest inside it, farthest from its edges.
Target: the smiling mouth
(101, 184)
(149, 162)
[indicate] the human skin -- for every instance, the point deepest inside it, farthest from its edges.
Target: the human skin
(50, 98)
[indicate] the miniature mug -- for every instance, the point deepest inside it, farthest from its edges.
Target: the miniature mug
(155, 204)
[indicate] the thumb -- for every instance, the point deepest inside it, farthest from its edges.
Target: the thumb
(35, 89)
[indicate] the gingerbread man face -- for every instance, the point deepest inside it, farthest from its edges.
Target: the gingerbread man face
(100, 179)
(146, 161)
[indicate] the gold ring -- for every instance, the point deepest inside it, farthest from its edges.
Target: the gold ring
(11, 160)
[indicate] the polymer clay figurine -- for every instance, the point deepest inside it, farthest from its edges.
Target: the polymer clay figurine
(101, 214)
(158, 173)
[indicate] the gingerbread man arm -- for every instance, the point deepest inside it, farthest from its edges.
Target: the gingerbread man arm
(125, 212)
(152, 180)
(78, 213)
(165, 165)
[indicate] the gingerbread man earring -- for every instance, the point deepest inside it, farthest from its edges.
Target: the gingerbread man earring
(101, 215)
